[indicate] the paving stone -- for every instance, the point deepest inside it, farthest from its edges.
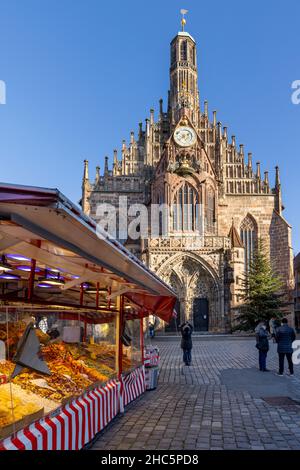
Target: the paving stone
(193, 409)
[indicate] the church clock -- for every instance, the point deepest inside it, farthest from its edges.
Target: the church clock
(185, 136)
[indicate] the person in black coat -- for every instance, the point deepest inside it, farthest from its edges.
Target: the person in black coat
(285, 336)
(186, 330)
(262, 344)
(151, 330)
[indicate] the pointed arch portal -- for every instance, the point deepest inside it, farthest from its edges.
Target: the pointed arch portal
(198, 289)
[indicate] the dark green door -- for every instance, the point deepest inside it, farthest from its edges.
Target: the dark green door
(200, 315)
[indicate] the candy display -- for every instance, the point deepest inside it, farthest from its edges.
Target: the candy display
(131, 357)
(74, 366)
(10, 334)
(73, 369)
(16, 407)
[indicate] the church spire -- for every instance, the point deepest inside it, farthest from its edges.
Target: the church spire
(106, 167)
(277, 178)
(278, 195)
(184, 94)
(85, 170)
(86, 187)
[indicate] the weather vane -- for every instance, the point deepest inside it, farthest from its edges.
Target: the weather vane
(183, 20)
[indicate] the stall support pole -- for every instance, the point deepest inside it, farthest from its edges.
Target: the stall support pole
(97, 296)
(32, 273)
(81, 295)
(85, 330)
(142, 339)
(118, 364)
(121, 331)
(31, 279)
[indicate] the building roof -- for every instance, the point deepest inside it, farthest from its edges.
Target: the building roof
(184, 34)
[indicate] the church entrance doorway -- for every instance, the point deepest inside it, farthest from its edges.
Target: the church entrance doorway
(200, 314)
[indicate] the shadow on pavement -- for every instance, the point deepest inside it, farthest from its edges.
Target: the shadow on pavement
(260, 384)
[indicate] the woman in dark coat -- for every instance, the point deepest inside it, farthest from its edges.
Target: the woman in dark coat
(186, 342)
(262, 344)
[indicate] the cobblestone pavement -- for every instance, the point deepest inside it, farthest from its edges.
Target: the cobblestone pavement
(208, 405)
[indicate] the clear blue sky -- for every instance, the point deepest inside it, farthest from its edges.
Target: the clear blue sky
(81, 74)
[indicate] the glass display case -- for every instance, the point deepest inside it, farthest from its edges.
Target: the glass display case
(47, 360)
(132, 350)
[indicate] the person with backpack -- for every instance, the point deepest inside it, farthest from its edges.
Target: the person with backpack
(262, 344)
(186, 330)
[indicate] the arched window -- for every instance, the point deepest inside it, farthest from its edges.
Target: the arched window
(160, 201)
(248, 231)
(173, 54)
(186, 209)
(210, 210)
(183, 50)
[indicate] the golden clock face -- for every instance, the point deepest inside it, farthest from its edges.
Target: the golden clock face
(185, 136)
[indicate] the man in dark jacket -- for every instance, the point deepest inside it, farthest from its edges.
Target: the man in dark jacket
(285, 336)
(186, 342)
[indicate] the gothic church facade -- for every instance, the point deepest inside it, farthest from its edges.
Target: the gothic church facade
(186, 160)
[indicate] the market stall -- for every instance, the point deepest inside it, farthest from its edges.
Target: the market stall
(72, 304)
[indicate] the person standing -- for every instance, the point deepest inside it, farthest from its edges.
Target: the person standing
(262, 344)
(285, 336)
(186, 342)
(151, 330)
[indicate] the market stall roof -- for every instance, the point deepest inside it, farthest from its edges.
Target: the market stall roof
(42, 224)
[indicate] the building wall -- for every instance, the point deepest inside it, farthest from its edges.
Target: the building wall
(237, 207)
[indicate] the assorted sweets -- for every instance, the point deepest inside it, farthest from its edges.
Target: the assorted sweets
(14, 405)
(74, 368)
(17, 408)
(10, 334)
(132, 356)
